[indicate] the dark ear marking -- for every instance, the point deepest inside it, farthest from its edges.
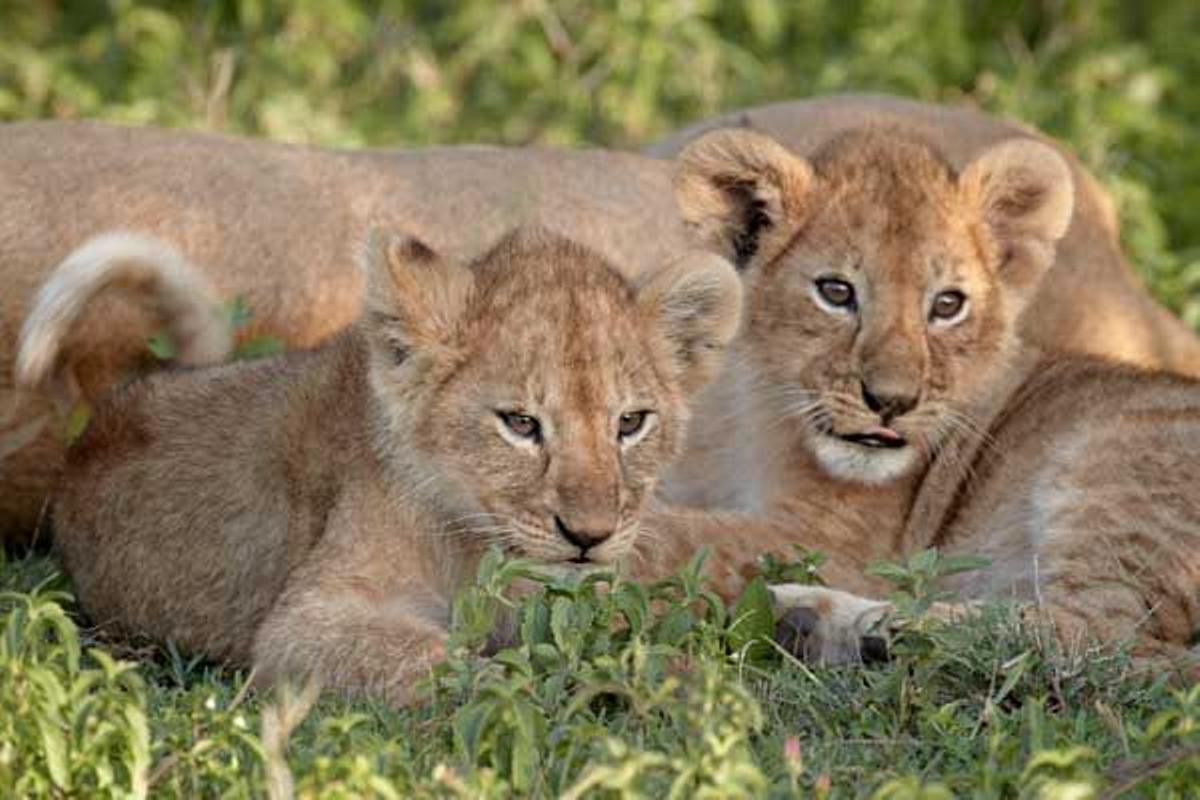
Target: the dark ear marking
(754, 220)
(741, 194)
(414, 297)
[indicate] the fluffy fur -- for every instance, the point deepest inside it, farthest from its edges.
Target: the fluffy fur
(1089, 302)
(129, 263)
(277, 224)
(872, 428)
(311, 514)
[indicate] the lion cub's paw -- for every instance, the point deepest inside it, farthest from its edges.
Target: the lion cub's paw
(825, 626)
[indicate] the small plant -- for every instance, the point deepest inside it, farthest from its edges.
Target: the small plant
(596, 687)
(803, 568)
(916, 580)
(71, 723)
(595, 667)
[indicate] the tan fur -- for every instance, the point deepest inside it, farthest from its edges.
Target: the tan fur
(138, 265)
(313, 513)
(1076, 476)
(278, 224)
(1090, 302)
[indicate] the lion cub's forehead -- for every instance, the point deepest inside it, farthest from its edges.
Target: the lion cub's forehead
(558, 316)
(890, 200)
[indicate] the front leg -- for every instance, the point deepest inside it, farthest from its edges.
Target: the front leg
(828, 627)
(340, 638)
(361, 615)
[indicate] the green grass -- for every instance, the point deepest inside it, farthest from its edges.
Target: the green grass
(1118, 81)
(633, 691)
(681, 701)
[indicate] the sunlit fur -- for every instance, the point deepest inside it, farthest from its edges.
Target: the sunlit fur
(313, 513)
(883, 213)
(1077, 477)
(275, 225)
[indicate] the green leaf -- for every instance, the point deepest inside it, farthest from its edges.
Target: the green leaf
(951, 565)
(237, 312)
(54, 746)
(535, 624)
(630, 599)
(258, 347)
(163, 346)
(569, 622)
(469, 724)
(803, 568)
(753, 622)
(923, 561)
(524, 764)
(893, 573)
(77, 421)
(674, 626)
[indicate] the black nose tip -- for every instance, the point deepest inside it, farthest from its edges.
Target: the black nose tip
(888, 404)
(582, 538)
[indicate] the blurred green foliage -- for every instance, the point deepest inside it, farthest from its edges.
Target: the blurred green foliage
(1119, 81)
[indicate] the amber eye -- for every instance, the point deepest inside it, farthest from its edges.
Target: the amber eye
(631, 423)
(947, 305)
(837, 293)
(522, 425)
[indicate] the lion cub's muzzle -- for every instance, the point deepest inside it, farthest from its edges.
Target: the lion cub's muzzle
(888, 402)
(585, 537)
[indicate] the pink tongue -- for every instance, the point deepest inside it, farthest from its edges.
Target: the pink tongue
(886, 434)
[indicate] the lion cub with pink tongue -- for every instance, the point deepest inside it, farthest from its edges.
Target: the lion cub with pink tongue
(311, 514)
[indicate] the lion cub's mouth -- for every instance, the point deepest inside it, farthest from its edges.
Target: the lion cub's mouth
(879, 438)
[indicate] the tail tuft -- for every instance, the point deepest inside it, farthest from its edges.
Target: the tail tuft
(140, 265)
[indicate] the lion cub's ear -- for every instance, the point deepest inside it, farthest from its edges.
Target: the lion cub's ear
(417, 296)
(743, 194)
(1024, 191)
(695, 304)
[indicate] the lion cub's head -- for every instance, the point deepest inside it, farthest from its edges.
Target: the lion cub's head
(536, 394)
(882, 286)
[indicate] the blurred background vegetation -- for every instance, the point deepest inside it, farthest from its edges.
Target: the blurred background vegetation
(1119, 81)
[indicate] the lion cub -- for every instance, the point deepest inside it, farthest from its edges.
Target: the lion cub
(312, 513)
(880, 398)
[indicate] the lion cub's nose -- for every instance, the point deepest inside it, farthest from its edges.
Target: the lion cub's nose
(584, 537)
(888, 402)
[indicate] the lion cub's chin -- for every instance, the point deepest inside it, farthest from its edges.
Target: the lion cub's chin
(848, 461)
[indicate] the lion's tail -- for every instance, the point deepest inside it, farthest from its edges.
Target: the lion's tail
(140, 266)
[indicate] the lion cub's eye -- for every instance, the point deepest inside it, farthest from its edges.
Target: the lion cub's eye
(522, 425)
(631, 423)
(836, 293)
(947, 305)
